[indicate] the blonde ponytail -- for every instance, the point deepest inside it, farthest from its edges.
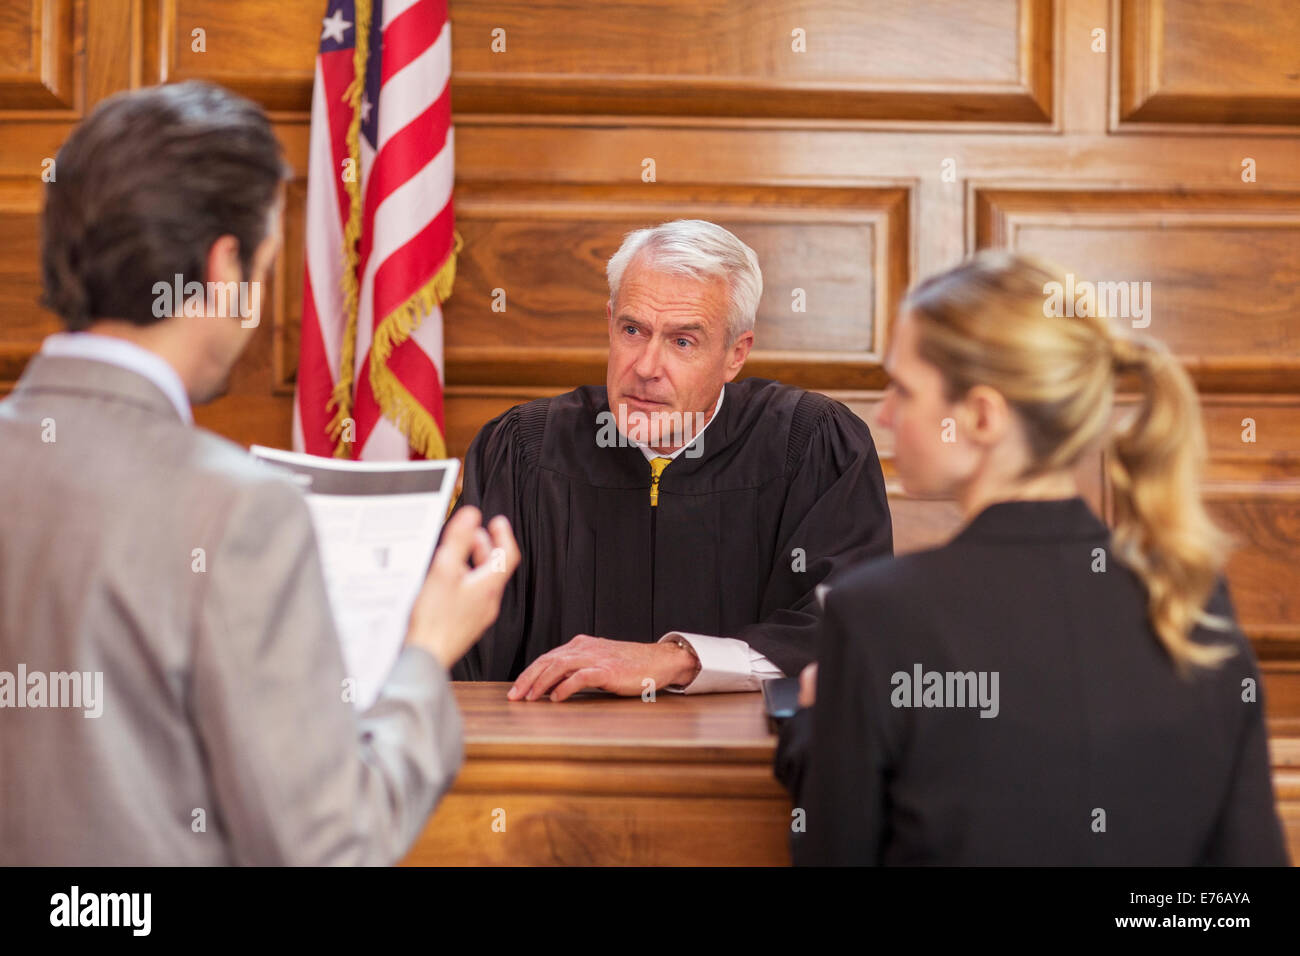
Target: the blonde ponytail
(1162, 530)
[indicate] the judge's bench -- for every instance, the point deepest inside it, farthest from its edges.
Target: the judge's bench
(602, 780)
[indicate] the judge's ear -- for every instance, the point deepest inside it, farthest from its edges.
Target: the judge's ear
(985, 417)
(609, 316)
(737, 352)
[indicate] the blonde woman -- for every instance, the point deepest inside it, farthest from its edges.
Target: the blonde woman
(1041, 690)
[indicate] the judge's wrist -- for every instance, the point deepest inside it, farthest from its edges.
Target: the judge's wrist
(687, 662)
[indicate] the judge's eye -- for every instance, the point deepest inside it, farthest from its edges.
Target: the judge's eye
(630, 329)
(684, 343)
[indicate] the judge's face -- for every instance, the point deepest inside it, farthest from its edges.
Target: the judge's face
(668, 354)
(933, 457)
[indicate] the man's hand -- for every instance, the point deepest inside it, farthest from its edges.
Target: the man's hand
(456, 605)
(588, 662)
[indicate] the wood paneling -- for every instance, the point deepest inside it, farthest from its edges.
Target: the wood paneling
(1209, 62)
(1282, 698)
(38, 65)
(231, 47)
(1254, 492)
(1285, 755)
(1252, 437)
(1221, 268)
(24, 323)
(981, 60)
(545, 248)
(984, 60)
(1264, 520)
(285, 302)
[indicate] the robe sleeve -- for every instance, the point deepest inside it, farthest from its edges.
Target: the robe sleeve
(494, 482)
(835, 516)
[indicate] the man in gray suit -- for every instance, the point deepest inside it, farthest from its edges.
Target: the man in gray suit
(171, 684)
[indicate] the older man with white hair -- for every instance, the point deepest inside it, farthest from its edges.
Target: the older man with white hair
(675, 523)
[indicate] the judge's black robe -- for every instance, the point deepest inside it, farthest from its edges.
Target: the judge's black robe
(786, 491)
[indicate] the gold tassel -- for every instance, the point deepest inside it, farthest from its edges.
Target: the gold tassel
(341, 397)
(396, 403)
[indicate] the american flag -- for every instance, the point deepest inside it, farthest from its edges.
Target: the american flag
(381, 249)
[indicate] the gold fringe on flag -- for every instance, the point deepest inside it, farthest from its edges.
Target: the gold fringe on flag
(341, 399)
(397, 404)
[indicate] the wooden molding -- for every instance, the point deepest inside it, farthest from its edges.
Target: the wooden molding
(51, 79)
(1146, 94)
(1237, 342)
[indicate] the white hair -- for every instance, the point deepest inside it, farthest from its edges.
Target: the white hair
(698, 250)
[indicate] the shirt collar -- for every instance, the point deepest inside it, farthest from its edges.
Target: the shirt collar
(123, 354)
(651, 454)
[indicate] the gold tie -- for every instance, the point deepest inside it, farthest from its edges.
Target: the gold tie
(657, 466)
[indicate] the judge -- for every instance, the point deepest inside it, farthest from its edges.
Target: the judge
(674, 523)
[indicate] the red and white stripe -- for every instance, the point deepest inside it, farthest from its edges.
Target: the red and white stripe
(406, 234)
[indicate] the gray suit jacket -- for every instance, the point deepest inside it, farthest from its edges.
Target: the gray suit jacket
(224, 736)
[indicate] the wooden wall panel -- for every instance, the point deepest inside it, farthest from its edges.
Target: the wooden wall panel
(1264, 520)
(285, 304)
(992, 62)
(987, 60)
(546, 249)
(24, 323)
(1252, 437)
(1282, 699)
(1221, 267)
(38, 57)
(1253, 490)
(232, 49)
(1209, 62)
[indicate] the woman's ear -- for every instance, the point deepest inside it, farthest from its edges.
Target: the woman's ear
(987, 415)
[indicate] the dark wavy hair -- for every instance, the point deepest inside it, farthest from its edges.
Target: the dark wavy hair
(141, 190)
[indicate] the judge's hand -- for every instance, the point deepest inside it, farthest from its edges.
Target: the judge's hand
(456, 605)
(588, 662)
(808, 685)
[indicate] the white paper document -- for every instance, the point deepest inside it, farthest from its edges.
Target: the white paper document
(376, 525)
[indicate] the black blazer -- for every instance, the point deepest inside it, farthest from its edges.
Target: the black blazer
(1094, 750)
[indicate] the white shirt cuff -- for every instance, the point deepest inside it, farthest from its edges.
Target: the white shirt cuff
(726, 664)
